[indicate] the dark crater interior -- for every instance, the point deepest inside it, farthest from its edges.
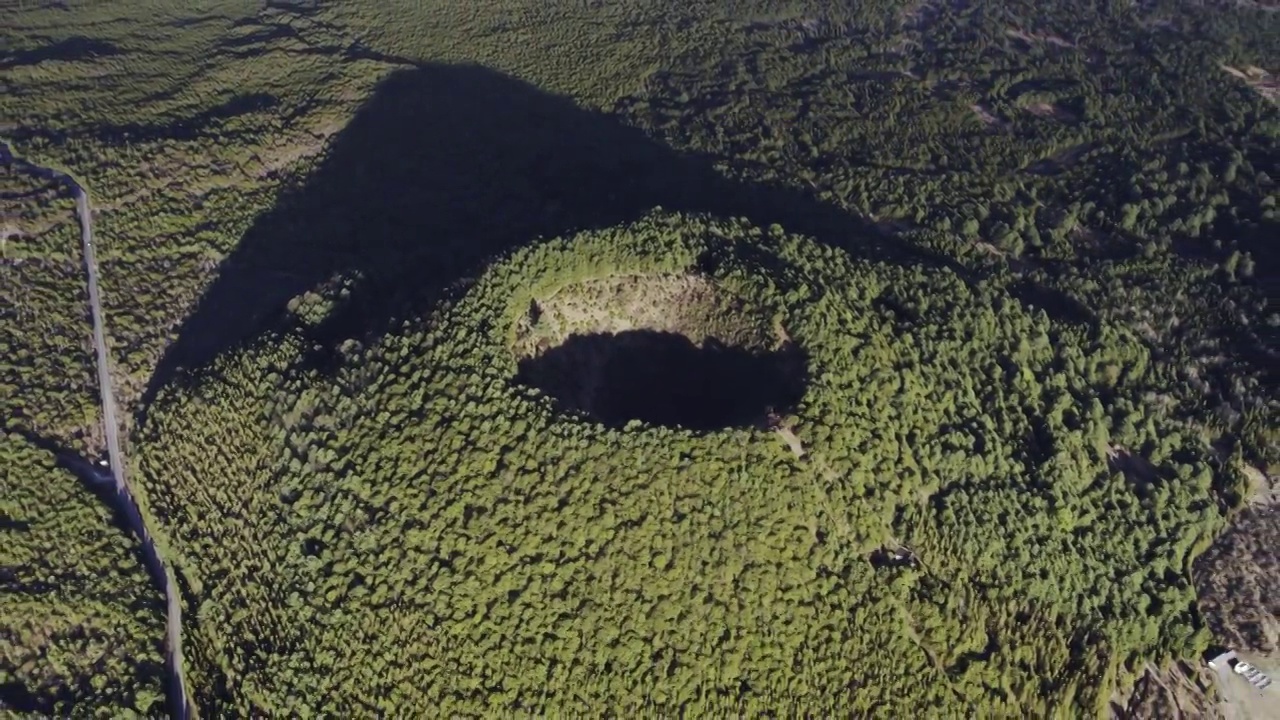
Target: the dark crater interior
(664, 378)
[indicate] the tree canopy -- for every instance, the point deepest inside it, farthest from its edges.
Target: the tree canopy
(439, 535)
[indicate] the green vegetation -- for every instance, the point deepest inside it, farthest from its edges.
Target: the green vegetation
(1031, 311)
(46, 368)
(81, 629)
(440, 536)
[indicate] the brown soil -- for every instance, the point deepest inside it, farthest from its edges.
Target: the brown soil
(1050, 110)
(1238, 581)
(1264, 83)
(688, 305)
(1058, 161)
(1178, 692)
(1033, 38)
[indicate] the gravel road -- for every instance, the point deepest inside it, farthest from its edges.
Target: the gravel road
(179, 700)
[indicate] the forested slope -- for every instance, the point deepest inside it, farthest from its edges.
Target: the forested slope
(415, 497)
(288, 191)
(81, 629)
(1104, 152)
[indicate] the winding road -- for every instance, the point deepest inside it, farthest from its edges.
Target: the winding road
(179, 700)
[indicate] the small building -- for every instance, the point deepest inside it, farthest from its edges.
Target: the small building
(1223, 661)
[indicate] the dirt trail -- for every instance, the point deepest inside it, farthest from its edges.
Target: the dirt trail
(179, 700)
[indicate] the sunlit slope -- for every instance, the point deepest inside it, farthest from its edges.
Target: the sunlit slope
(438, 534)
(81, 629)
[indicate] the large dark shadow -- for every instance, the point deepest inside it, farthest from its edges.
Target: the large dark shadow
(663, 378)
(443, 168)
(72, 49)
(1056, 304)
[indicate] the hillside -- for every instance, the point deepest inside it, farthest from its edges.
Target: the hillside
(504, 535)
(80, 627)
(942, 327)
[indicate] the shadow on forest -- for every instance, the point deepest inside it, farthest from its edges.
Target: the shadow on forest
(209, 123)
(443, 168)
(663, 378)
(1058, 305)
(72, 49)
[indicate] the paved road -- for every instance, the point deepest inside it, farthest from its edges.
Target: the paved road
(179, 700)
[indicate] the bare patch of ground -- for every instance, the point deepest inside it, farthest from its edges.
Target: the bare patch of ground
(689, 305)
(988, 248)
(1017, 264)
(1238, 578)
(1180, 691)
(1238, 586)
(1041, 109)
(1050, 110)
(11, 232)
(987, 117)
(1135, 467)
(1262, 490)
(882, 75)
(889, 225)
(1036, 38)
(788, 436)
(1241, 700)
(1187, 692)
(1264, 83)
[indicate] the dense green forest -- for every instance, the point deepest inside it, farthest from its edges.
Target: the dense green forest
(996, 274)
(80, 625)
(563, 566)
(80, 628)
